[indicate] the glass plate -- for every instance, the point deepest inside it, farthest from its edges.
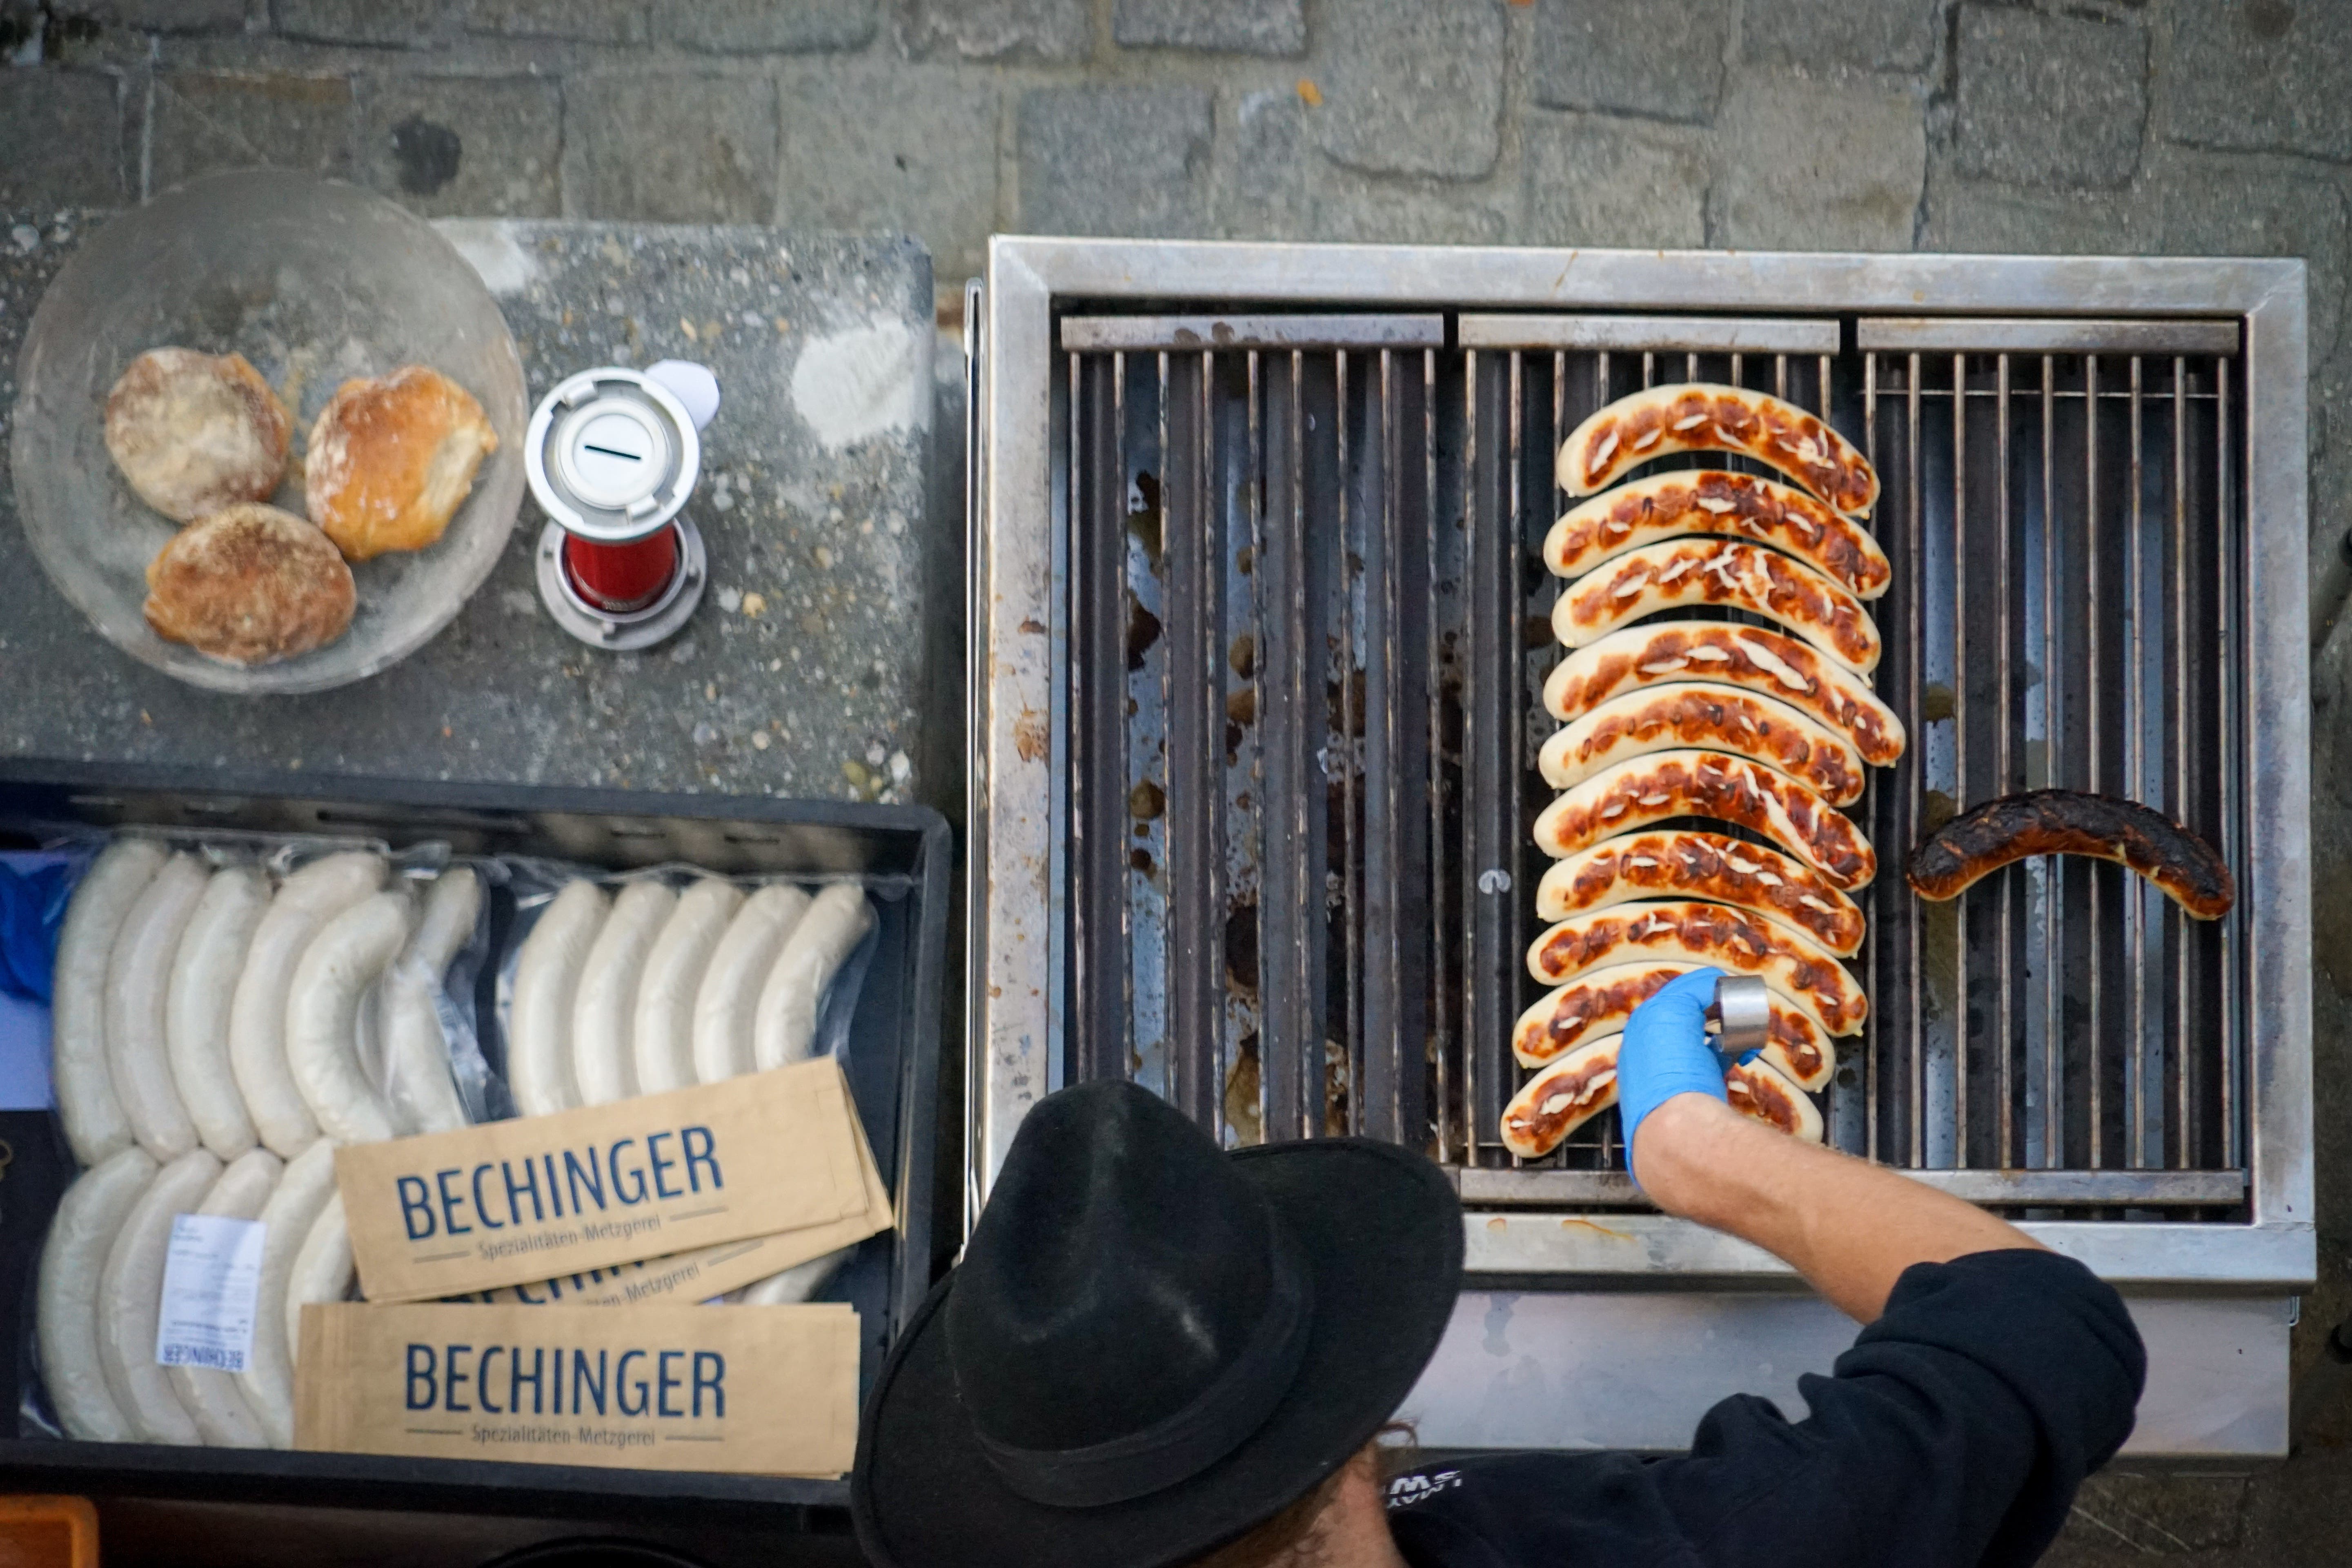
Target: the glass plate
(315, 282)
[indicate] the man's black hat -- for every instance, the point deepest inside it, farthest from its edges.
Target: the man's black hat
(1152, 1346)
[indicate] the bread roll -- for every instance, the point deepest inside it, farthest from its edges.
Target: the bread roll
(391, 459)
(250, 584)
(194, 433)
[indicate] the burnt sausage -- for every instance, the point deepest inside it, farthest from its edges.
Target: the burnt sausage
(1982, 840)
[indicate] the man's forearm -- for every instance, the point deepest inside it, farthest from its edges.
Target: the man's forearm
(1850, 1227)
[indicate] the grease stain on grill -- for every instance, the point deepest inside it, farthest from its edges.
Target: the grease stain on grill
(1143, 629)
(1143, 517)
(1241, 1081)
(1146, 802)
(1029, 736)
(1243, 656)
(1140, 862)
(1240, 951)
(1936, 703)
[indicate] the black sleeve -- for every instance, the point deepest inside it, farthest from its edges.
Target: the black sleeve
(1952, 1434)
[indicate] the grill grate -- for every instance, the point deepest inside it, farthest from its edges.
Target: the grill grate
(1308, 633)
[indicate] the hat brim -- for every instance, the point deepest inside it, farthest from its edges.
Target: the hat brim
(1381, 1232)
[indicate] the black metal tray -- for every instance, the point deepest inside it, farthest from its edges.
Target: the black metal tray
(893, 1065)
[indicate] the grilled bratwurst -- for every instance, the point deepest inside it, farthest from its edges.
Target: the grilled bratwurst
(1712, 501)
(1697, 416)
(1581, 1086)
(1681, 573)
(1598, 1002)
(1682, 714)
(1691, 932)
(1747, 794)
(1693, 865)
(1746, 656)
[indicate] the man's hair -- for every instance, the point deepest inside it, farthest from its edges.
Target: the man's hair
(1293, 1537)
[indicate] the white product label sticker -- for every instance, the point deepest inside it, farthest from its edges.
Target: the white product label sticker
(211, 1275)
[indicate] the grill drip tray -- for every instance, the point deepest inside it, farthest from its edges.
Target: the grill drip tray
(1260, 635)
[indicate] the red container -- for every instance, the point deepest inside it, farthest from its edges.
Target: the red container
(618, 578)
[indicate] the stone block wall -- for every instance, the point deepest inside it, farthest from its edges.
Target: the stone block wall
(2131, 126)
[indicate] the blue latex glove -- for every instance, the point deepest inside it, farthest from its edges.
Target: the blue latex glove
(1666, 1052)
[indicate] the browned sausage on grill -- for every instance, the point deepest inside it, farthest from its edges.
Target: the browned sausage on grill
(1981, 841)
(1691, 932)
(1698, 417)
(1692, 865)
(1666, 785)
(1725, 573)
(1744, 506)
(1582, 1084)
(1746, 656)
(1682, 714)
(1598, 1002)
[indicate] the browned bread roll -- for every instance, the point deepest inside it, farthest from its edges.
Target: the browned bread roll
(391, 459)
(2065, 822)
(1697, 416)
(1667, 506)
(250, 584)
(196, 432)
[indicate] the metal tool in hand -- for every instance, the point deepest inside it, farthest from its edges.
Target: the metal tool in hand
(1740, 1016)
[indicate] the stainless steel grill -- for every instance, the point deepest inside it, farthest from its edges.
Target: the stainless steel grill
(1274, 681)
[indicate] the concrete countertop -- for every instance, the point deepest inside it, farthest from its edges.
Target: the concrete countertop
(801, 674)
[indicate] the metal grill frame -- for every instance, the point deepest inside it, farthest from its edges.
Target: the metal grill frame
(1017, 919)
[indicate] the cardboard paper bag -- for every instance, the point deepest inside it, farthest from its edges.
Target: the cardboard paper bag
(512, 1202)
(754, 1390)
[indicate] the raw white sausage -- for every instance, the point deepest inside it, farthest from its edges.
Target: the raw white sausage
(798, 1283)
(417, 1082)
(209, 1394)
(604, 1013)
(196, 1006)
(784, 1028)
(130, 1299)
(81, 1233)
(267, 1380)
(322, 1273)
(547, 977)
(256, 1021)
(95, 1124)
(322, 1018)
(724, 1002)
(137, 972)
(663, 1029)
